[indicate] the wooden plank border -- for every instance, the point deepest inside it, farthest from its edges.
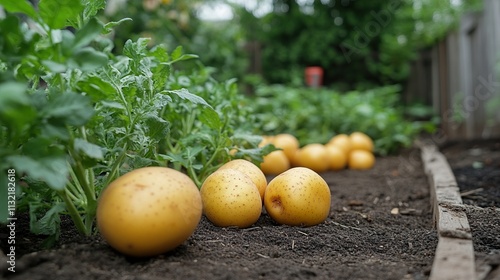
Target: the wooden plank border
(454, 258)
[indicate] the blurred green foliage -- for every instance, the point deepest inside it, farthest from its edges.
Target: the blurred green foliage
(176, 22)
(359, 43)
(316, 115)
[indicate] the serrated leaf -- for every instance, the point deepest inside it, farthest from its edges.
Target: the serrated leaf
(161, 100)
(58, 14)
(88, 149)
(49, 223)
(51, 170)
(136, 50)
(161, 74)
(157, 128)
(160, 53)
(92, 7)
(19, 6)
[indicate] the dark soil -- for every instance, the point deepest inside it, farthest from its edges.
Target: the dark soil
(380, 227)
(477, 170)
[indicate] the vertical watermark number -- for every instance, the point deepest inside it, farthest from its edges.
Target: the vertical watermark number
(11, 219)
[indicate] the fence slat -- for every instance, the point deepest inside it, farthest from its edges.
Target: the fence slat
(463, 80)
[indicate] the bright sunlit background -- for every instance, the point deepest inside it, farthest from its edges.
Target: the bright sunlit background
(222, 11)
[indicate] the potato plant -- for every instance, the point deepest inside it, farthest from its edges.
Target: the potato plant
(74, 115)
(315, 115)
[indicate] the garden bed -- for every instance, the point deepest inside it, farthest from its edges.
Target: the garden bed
(476, 167)
(380, 227)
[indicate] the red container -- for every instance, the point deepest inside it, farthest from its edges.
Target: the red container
(314, 76)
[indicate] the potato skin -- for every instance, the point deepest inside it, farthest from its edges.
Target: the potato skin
(149, 211)
(230, 198)
(298, 197)
(251, 170)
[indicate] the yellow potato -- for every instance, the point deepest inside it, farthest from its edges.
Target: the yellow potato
(251, 170)
(361, 160)
(336, 157)
(230, 198)
(313, 156)
(287, 142)
(298, 197)
(274, 163)
(149, 211)
(361, 141)
(342, 141)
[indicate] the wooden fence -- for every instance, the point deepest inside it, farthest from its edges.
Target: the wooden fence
(460, 77)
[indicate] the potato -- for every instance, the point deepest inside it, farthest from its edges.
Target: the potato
(230, 198)
(251, 170)
(149, 211)
(275, 162)
(360, 160)
(288, 143)
(298, 197)
(361, 141)
(342, 141)
(313, 156)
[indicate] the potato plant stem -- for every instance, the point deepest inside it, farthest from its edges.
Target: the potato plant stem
(85, 192)
(193, 175)
(73, 212)
(116, 165)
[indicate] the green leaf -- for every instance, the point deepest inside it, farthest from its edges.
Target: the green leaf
(160, 53)
(112, 104)
(136, 50)
(58, 14)
(157, 128)
(108, 27)
(13, 93)
(177, 53)
(88, 59)
(51, 170)
(19, 6)
(92, 7)
(87, 34)
(88, 149)
(73, 108)
(55, 128)
(210, 118)
(161, 74)
(186, 95)
(15, 106)
(49, 223)
(97, 88)
(53, 66)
